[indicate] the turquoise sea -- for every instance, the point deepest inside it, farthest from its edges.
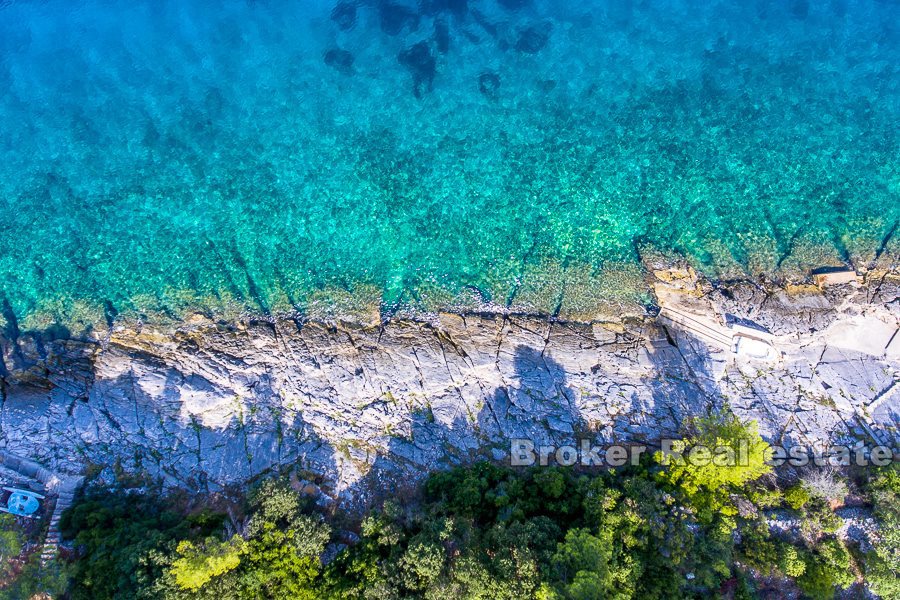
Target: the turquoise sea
(161, 156)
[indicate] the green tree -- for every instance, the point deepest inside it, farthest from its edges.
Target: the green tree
(421, 564)
(10, 540)
(827, 569)
(275, 567)
(277, 557)
(114, 534)
(796, 496)
(758, 548)
(37, 580)
(882, 564)
(790, 560)
(722, 455)
(583, 567)
(197, 564)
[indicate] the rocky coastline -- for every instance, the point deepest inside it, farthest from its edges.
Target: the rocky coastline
(353, 409)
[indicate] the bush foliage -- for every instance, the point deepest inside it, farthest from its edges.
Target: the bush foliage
(667, 528)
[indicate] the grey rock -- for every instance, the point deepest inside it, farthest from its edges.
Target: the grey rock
(203, 405)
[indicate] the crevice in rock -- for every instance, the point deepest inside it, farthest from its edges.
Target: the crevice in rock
(669, 337)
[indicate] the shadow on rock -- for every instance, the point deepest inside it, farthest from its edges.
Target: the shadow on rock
(537, 405)
(153, 423)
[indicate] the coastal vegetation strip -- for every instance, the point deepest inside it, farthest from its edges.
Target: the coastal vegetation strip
(660, 529)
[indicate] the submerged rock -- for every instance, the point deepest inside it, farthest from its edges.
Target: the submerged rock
(421, 63)
(489, 84)
(800, 9)
(431, 8)
(547, 85)
(442, 36)
(471, 36)
(340, 60)
(514, 5)
(396, 17)
(484, 23)
(534, 38)
(344, 15)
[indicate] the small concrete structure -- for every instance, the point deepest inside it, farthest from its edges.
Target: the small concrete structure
(739, 329)
(834, 276)
(701, 325)
(745, 340)
(752, 342)
(754, 349)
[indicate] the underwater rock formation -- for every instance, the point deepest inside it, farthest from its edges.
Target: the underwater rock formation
(431, 8)
(395, 18)
(340, 60)
(344, 15)
(534, 38)
(482, 20)
(799, 9)
(489, 84)
(514, 5)
(441, 36)
(471, 36)
(421, 64)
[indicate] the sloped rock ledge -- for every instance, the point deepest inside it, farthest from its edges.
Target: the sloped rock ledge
(209, 404)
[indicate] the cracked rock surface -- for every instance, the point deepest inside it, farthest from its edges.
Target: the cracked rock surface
(210, 404)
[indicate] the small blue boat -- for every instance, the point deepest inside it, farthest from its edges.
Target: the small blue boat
(21, 503)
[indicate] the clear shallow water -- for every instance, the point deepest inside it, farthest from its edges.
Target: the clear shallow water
(163, 156)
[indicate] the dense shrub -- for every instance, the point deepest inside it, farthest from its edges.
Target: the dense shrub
(114, 535)
(662, 529)
(827, 569)
(718, 459)
(882, 564)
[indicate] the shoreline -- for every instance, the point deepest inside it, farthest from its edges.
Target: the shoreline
(208, 404)
(636, 299)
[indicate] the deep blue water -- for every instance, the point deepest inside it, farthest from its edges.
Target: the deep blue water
(157, 157)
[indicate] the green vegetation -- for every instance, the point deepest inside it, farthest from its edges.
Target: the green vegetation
(667, 528)
(21, 573)
(827, 568)
(118, 535)
(10, 541)
(720, 457)
(37, 581)
(883, 562)
(197, 565)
